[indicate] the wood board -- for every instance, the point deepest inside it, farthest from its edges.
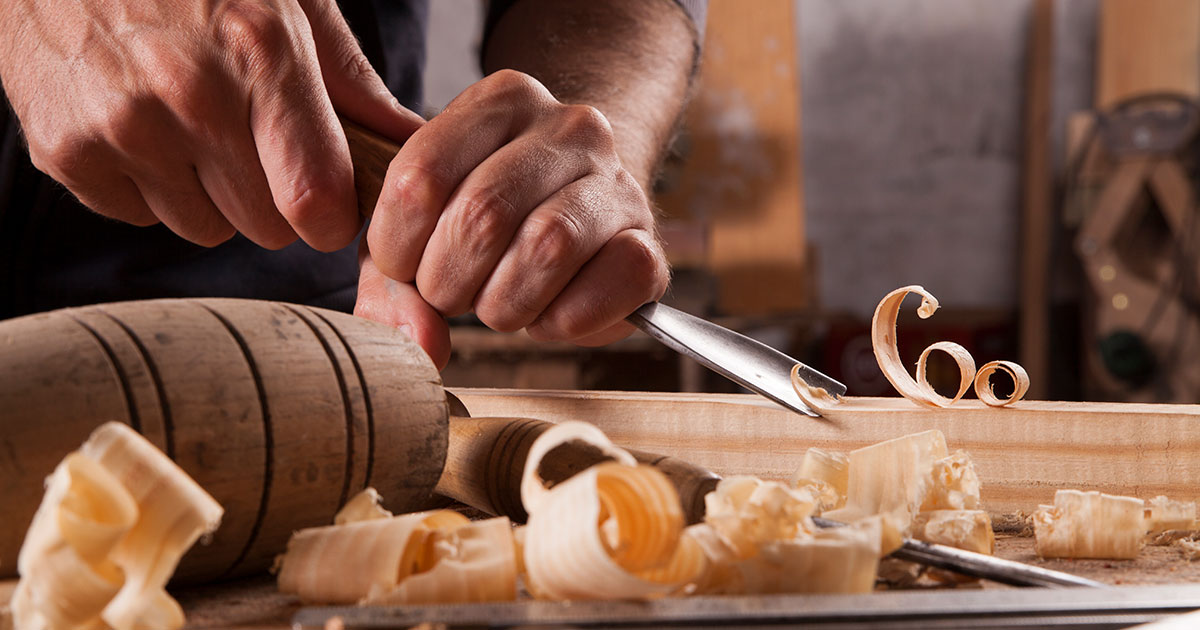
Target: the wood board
(743, 176)
(1147, 46)
(1037, 200)
(1023, 453)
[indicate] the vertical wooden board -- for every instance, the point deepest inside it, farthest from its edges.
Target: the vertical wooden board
(1147, 46)
(743, 175)
(1037, 204)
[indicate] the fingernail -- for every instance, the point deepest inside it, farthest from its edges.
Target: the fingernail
(407, 329)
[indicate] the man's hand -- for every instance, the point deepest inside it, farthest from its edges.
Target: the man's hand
(516, 206)
(210, 117)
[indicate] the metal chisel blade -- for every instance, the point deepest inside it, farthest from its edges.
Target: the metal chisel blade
(752, 364)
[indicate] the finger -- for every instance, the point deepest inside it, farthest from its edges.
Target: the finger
(627, 272)
(91, 170)
(399, 305)
(497, 201)
(235, 181)
(298, 138)
(177, 198)
(550, 248)
(116, 198)
(355, 89)
(438, 157)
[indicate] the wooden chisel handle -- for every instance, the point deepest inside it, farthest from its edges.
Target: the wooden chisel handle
(486, 459)
(371, 154)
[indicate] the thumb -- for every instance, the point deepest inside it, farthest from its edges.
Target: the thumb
(398, 304)
(354, 87)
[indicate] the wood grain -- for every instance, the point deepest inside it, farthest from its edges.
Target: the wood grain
(371, 155)
(1037, 203)
(1023, 453)
(1147, 46)
(278, 411)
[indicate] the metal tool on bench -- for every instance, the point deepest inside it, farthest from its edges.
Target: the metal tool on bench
(1092, 609)
(977, 564)
(754, 365)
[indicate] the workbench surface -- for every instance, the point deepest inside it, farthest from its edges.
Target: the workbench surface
(254, 602)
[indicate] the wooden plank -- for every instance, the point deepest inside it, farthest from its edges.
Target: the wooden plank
(1023, 453)
(1147, 46)
(1037, 206)
(743, 171)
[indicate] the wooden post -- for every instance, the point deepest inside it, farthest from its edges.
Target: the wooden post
(743, 173)
(1037, 205)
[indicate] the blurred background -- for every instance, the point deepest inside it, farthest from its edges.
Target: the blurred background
(1029, 162)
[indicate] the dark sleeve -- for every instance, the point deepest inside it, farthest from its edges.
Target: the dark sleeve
(697, 10)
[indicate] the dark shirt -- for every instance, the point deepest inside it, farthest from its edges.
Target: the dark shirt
(54, 252)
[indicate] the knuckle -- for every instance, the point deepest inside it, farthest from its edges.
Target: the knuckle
(584, 122)
(441, 293)
(354, 64)
(254, 34)
(515, 85)
(413, 188)
(580, 321)
(647, 264)
(553, 242)
(481, 218)
(313, 207)
(511, 307)
(62, 156)
(130, 125)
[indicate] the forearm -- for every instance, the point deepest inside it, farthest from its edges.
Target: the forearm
(631, 59)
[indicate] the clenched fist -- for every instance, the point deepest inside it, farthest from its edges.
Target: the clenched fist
(517, 207)
(210, 117)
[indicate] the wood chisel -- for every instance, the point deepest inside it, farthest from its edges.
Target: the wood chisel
(745, 361)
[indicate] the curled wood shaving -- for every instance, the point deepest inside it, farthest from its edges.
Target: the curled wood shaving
(955, 486)
(1190, 549)
(533, 487)
(817, 398)
(363, 506)
(1090, 525)
(116, 518)
(964, 529)
(966, 370)
(748, 512)
(610, 532)
(983, 382)
(883, 342)
(893, 479)
(1163, 514)
(471, 563)
(422, 558)
(827, 474)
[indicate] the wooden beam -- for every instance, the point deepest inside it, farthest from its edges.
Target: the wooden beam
(1147, 46)
(1023, 453)
(1037, 205)
(742, 176)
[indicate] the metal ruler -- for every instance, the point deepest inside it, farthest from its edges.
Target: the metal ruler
(1001, 609)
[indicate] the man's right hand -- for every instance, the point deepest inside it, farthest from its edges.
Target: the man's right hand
(210, 117)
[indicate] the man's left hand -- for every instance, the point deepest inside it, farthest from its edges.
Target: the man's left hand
(517, 207)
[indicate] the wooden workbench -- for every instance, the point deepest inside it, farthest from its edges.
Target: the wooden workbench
(1023, 454)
